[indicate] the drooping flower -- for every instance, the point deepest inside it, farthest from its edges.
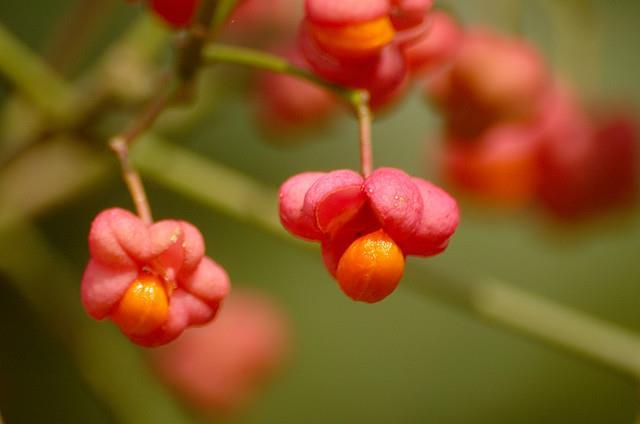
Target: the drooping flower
(367, 225)
(152, 281)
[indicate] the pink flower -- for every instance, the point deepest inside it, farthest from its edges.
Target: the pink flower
(500, 166)
(493, 79)
(435, 48)
(586, 167)
(406, 14)
(386, 213)
(219, 366)
(153, 281)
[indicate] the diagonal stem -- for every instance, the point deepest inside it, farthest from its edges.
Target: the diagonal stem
(221, 53)
(120, 144)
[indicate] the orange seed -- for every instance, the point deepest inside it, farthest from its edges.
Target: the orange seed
(371, 267)
(143, 308)
(355, 40)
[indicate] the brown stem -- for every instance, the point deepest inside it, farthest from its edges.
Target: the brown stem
(153, 110)
(364, 120)
(187, 66)
(120, 143)
(132, 179)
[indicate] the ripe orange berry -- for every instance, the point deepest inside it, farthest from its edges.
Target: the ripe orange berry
(355, 40)
(371, 267)
(143, 308)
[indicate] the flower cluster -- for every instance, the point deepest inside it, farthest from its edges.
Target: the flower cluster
(152, 281)
(514, 134)
(360, 44)
(379, 46)
(367, 225)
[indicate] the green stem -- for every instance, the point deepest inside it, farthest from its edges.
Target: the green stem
(34, 78)
(220, 53)
(542, 320)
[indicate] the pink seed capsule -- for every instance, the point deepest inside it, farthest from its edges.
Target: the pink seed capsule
(367, 226)
(153, 281)
(436, 48)
(217, 368)
(349, 29)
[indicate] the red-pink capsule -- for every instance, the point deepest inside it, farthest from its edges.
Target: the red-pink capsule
(219, 367)
(152, 280)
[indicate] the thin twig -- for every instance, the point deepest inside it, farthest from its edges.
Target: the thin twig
(120, 144)
(132, 179)
(366, 147)
(186, 69)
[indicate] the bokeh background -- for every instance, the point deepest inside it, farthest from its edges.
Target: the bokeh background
(409, 359)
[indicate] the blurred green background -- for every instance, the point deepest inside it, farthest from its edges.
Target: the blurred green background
(409, 359)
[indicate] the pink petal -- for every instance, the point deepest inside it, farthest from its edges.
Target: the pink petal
(439, 221)
(209, 282)
(334, 246)
(292, 194)
(341, 192)
(408, 13)
(193, 247)
(396, 201)
(118, 238)
(435, 48)
(102, 287)
(199, 312)
(167, 239)
(338, 207)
